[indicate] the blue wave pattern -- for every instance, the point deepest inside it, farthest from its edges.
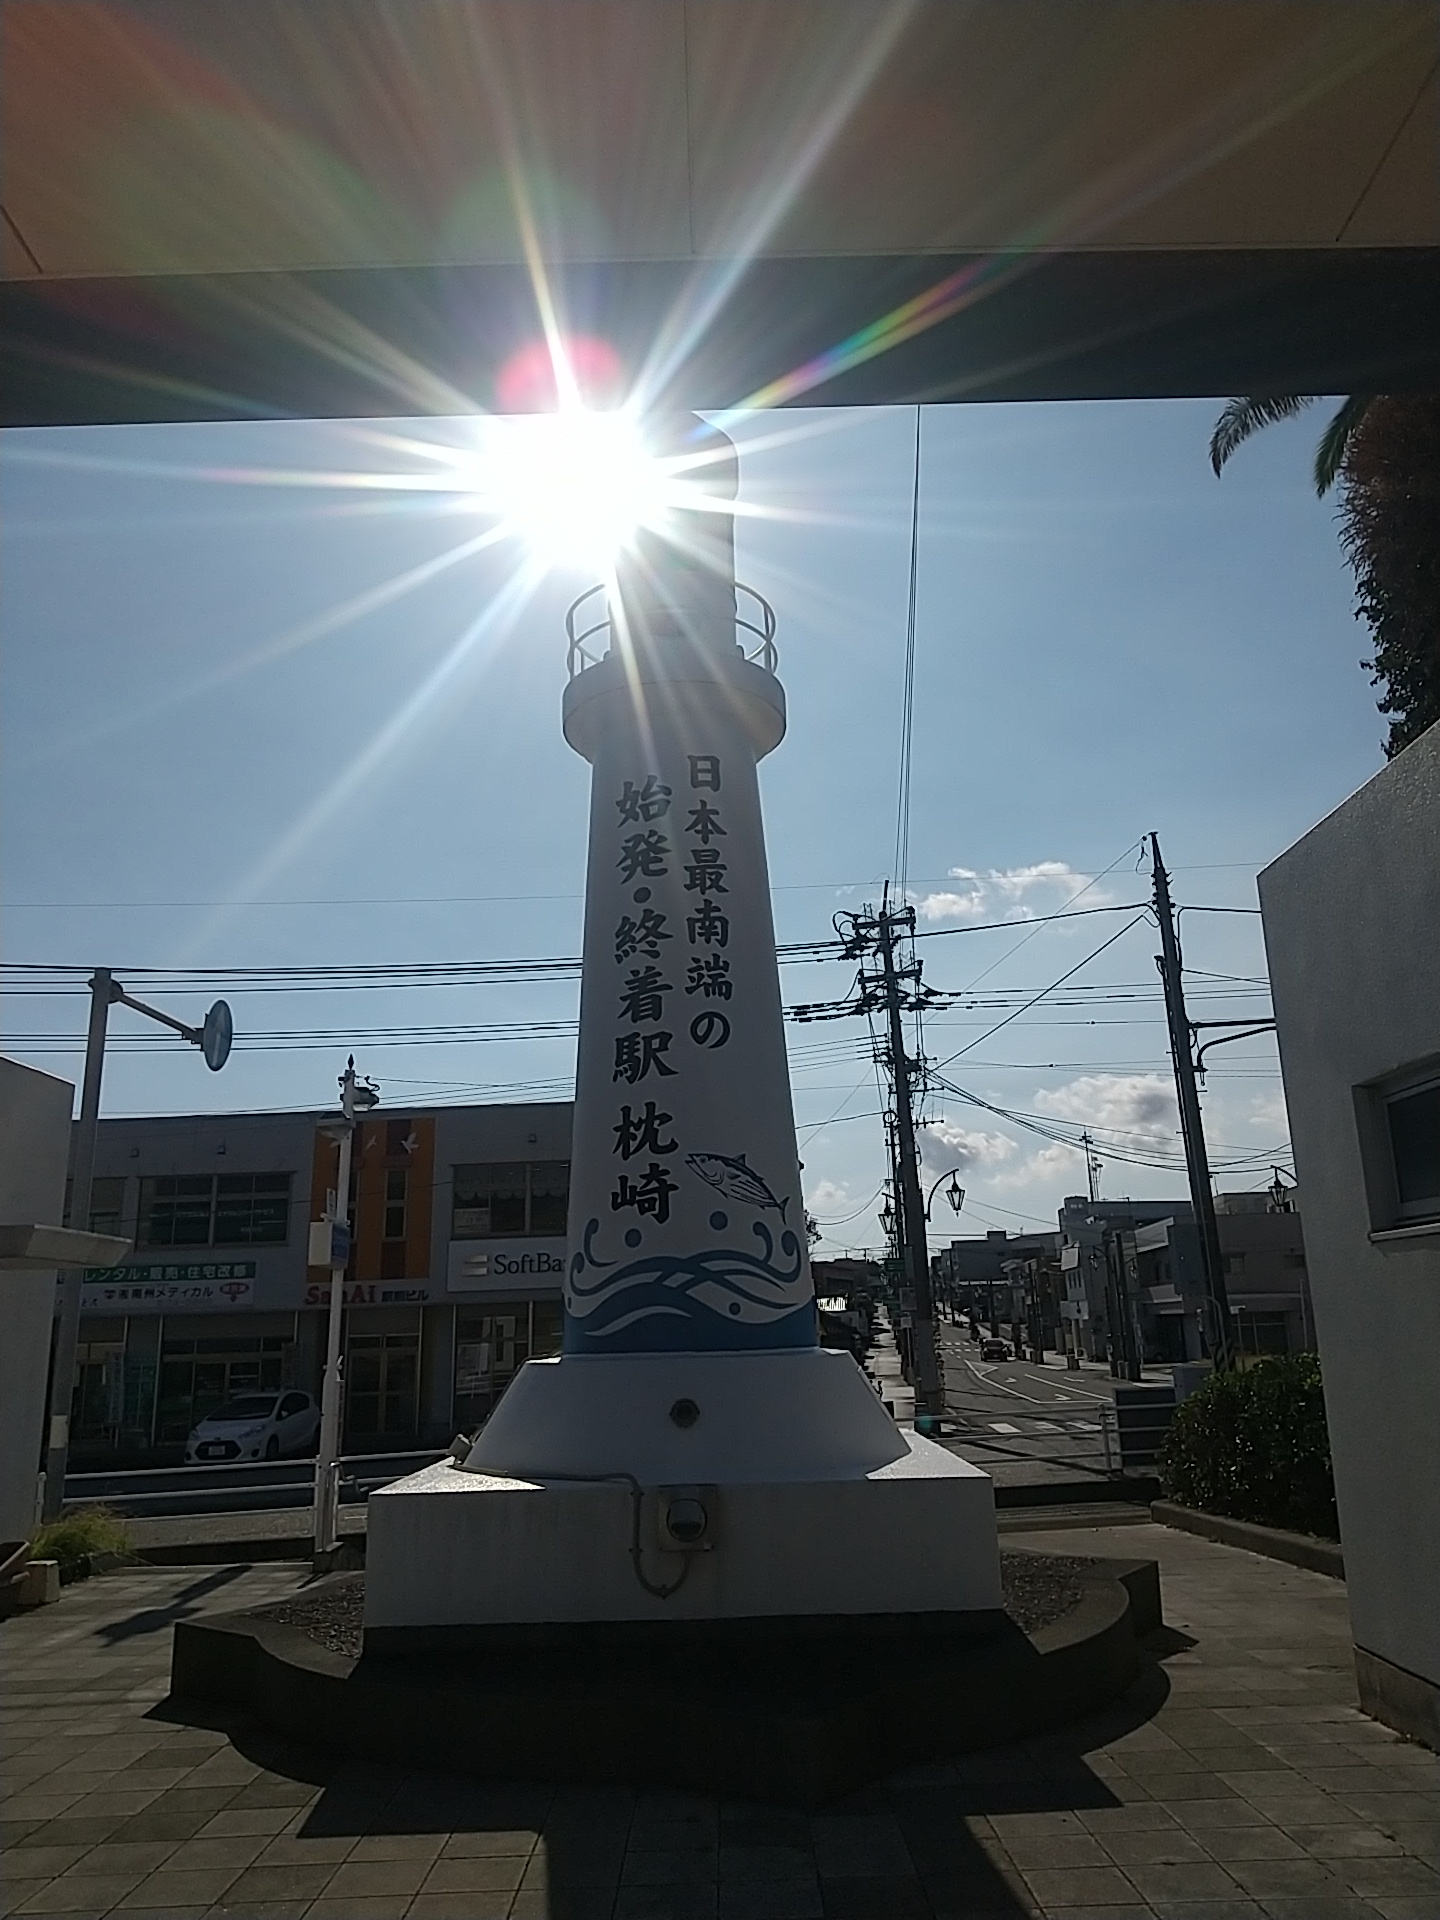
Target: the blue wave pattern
(722, 1299)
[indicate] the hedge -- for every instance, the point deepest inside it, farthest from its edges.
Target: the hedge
(1254, 1446)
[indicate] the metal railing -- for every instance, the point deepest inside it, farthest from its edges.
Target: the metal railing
(753, 615)
(228, 1486)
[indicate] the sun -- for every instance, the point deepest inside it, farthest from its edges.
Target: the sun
(575, 485)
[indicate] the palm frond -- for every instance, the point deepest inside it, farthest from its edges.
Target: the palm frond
(1335, 441)
(1241, 418)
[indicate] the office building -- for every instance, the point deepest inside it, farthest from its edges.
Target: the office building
(458, 1250)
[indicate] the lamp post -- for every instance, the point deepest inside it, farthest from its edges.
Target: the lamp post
(213, 1038)
(330, 1238)
(955, 1194)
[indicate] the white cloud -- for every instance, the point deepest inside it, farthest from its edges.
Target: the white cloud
(828, 1199)
(1268, 1110)
(1008, 893)
(1137, 1103)
(943, 1145)
(1056, 1162)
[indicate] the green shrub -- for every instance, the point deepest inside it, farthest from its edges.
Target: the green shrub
(75, 1536)
(1254, 1446)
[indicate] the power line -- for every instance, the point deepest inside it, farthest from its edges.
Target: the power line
(907, 721)
(1037, 998)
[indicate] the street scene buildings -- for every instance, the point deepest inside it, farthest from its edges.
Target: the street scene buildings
(1070, 1291)
(453, 1282)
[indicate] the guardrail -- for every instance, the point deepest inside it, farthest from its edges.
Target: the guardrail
(1134, 1429)
(238, 1486)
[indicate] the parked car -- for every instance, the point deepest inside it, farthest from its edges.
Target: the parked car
(994, 1349)
(254, 1426)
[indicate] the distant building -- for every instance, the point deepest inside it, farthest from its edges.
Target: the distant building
(1110, 1257)
(1009, 1280)
(1265, 1272)
(458, 1253)
(845, 1275)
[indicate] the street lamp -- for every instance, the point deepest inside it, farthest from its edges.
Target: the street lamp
(330, 1247)
(954, 1193)
(213, 1040)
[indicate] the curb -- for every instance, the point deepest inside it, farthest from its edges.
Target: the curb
(1298, 1549)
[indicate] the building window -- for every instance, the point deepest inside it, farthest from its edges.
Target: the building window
(225, 1210)
(176, 1210)
(1293, 1260)
(549, 1195)
(252, 1209)
(1413, 1120)
(1234, 1263)
(107, 1203)
(395, 1184)
(510, 1199)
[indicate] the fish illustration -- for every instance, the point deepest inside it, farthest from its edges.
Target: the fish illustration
(736, 1179)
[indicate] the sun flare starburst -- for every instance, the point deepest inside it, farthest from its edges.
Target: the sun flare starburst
(575, 485)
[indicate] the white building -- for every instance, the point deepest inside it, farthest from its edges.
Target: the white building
(1352, 929)
(454, 1280)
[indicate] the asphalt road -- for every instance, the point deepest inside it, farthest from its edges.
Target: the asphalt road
(1023, 1421)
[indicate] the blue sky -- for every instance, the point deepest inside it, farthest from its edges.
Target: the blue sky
(226, 741)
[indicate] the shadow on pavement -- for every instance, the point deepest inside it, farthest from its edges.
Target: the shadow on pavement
(154, 1619)
(912, 1847)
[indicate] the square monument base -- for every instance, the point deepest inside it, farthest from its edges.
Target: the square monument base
(451, 1548)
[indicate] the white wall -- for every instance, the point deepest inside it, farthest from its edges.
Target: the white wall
(34, 1154)
(1352, 928)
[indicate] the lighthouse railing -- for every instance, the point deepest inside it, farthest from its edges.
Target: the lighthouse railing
(588, 628)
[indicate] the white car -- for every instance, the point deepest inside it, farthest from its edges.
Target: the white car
(254, 1426)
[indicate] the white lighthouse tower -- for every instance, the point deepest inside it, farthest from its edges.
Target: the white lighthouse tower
(692, 1453)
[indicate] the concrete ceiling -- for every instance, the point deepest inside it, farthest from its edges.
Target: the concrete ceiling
(344, 206)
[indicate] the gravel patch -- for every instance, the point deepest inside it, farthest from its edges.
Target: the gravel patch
(331, 1613)
(1038, 1588)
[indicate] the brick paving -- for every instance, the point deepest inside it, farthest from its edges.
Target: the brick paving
(1236, 1781)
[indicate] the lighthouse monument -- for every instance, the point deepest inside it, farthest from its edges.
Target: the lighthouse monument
(692, 1454)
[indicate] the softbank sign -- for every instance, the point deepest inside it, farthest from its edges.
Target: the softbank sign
(499, 1266)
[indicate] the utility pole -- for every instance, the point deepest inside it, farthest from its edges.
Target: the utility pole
(877, 934)
(213, 1038)
(72, 1281)
(1092, 1167)
(334, 1237)
(1202, 1198)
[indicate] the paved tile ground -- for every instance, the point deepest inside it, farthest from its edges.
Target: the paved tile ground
(1236, 1779)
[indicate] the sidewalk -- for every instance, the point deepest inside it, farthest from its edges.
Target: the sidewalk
(1236, 1781)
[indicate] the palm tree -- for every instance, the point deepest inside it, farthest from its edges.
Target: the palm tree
(1241, 418)
(1387, 449)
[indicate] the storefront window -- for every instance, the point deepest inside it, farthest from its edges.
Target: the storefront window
(491, 1346)
(382, 1382)
(197, 1375)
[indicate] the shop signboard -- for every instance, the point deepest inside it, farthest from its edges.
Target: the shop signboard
(183, 1286)
(505, 1267)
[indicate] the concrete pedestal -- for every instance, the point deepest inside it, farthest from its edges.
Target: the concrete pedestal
(816, 1504)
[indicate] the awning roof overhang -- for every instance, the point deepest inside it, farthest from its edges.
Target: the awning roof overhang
(349, 207)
